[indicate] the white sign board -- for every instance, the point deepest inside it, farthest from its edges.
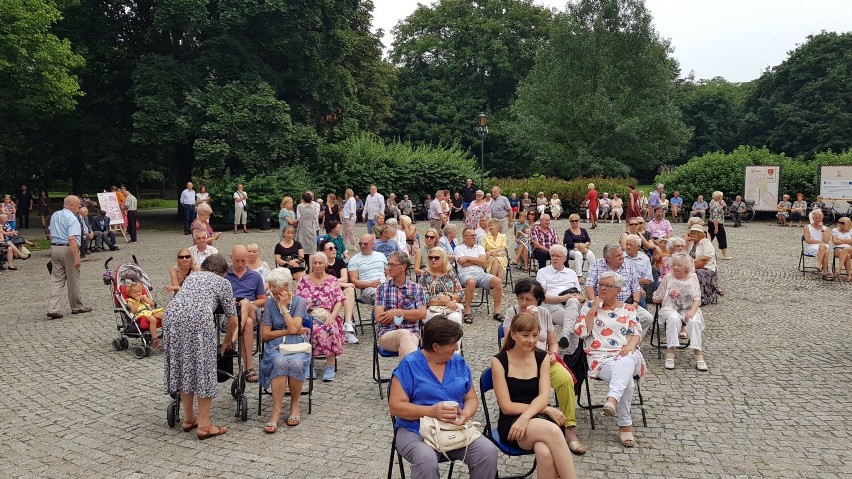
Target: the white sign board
(109, 203)
(835, 182)
(761, 186)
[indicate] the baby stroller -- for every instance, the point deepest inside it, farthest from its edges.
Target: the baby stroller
(127, 327)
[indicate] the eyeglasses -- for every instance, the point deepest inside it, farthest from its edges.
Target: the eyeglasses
(431, 236)
(331, 248)
(434, 258)
(393, 265)
(364, 244)
(606, 286)
(184, 256)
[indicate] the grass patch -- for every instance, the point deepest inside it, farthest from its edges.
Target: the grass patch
(40, 245)
(157, 203)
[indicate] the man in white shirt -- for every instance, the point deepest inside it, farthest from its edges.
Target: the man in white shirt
(187, 202)
(471, 261)
(367, 269)
(561, 295)
(200, 250)
(350, 212)
(435, 213)
(240, 203)
(373, 205)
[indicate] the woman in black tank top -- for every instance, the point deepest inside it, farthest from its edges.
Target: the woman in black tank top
(522, 385)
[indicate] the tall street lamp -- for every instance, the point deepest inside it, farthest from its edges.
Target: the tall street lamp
(482, 129)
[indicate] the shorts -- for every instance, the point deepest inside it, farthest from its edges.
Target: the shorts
(240, 215)
(482, 279)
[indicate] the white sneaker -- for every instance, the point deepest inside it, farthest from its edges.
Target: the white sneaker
(349, 327)
(350, 338)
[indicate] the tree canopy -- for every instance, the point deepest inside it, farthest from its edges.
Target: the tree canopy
(599, 99)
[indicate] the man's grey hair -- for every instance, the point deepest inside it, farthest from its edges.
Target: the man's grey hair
(609, 248)
(617, 279)
(400, 256)
(558, 249)
(674, 242)
(279, 278)
(635, 239)
(450, 228)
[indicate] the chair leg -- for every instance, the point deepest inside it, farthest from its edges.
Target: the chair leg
(392, 451)
(589, 402)
(641, 403)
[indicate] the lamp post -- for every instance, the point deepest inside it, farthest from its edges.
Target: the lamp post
(482, 129)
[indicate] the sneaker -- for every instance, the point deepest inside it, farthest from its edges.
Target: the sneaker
(328, 376)
(350, 338)
(349, 327)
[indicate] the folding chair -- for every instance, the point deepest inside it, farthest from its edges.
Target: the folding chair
(377, 353)
(309, 392)
(655, 333)
(441, 459)
(501, 333)
(802, 267)
(358, 303)
(484, 298)
(591, 407)
(486, 383)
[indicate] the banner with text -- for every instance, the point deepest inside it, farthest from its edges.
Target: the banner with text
(835, 183)
(109, 203)
(761, 186)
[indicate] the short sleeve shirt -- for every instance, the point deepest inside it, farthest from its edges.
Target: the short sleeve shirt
(474, 252)
(369, 267)
(63, 225)
(423, 388)
(409, 296)
(554, 281)
(250, 286)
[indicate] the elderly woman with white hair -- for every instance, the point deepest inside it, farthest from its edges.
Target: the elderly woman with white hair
(477, 208)
(680, 296)
(321, 291)
(817, 237)
(202, 222)
(704, 254)
(281, 323)
(611, 332)
(450, 240)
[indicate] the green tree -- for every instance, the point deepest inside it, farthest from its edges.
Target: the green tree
(37, 74)
(714, 110)
(456, 58)
(804, 105)
(599, 99)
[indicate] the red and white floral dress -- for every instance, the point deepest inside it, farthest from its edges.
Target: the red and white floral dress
(610, 331)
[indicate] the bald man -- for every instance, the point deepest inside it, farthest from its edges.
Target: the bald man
(250, 295)
(65, 240)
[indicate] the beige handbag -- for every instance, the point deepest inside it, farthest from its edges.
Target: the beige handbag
(295, 348)
(444, 437)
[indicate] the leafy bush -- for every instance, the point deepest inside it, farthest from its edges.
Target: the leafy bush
(726, 172)
(570, 192)
(264, 191)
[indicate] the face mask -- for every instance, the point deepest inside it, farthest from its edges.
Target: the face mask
(398, 320)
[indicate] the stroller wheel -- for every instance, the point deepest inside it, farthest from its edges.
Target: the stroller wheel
(125, 343)
(147, 351)
(172, 414)
(244, 409)
(139, 352)
(116, 344)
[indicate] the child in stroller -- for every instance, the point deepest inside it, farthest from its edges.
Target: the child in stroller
(145, 312)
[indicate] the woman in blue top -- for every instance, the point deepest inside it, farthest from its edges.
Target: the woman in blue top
(282, 323)
(422, 385)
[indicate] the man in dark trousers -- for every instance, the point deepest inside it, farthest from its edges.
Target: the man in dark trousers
(24, 203)
(130, 205)
(468, 194)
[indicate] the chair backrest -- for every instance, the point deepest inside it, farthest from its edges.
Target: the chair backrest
(501, 333)
(486, 383)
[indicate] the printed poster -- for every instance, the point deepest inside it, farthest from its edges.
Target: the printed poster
(835, 183)
(761, 186)
(109, 203)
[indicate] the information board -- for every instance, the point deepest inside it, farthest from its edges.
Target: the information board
(761, 186)
(835, 182)
(109, 203)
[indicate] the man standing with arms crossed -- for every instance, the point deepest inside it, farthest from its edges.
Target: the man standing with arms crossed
(501, 210)
(435, 214)
(65, 237)
(374, 205)
(240, 202)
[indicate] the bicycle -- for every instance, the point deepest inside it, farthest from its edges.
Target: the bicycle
(747, 214)
(832, 214)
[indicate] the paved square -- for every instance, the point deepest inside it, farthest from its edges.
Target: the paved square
(775, 403)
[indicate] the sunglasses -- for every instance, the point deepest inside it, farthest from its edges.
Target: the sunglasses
(331, 248)
(184, 257)
(575, 221)
(633, 224)
(431, 236)
(434, 258)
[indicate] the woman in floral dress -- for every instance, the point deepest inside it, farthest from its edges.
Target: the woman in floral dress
(442, 287)
(478, 208)
(680, 295)
(321, 290)
(611, 334)
(190, 341)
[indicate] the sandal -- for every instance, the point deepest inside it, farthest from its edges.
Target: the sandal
(577, 448)
(270, 428)
(670, 363)
(250, 376)
(467, 318)
(294, 421)
(210, 432)
(827, 277)
(626, 438)
(499, 317)
(188, 427)
(609, 408)
(682, 336)
(848, 279)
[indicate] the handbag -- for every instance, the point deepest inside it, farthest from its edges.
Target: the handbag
(295, 348)
(433, 311)
(444, 437)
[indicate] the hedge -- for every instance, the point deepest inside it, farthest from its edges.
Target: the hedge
(725, 172)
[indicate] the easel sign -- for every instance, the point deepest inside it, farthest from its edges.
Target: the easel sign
(109, 203)
(761, 186)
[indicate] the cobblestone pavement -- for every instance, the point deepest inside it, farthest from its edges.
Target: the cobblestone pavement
(775, 402)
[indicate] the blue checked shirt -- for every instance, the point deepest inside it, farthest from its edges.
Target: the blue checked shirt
(631, 281)
(409, 296)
